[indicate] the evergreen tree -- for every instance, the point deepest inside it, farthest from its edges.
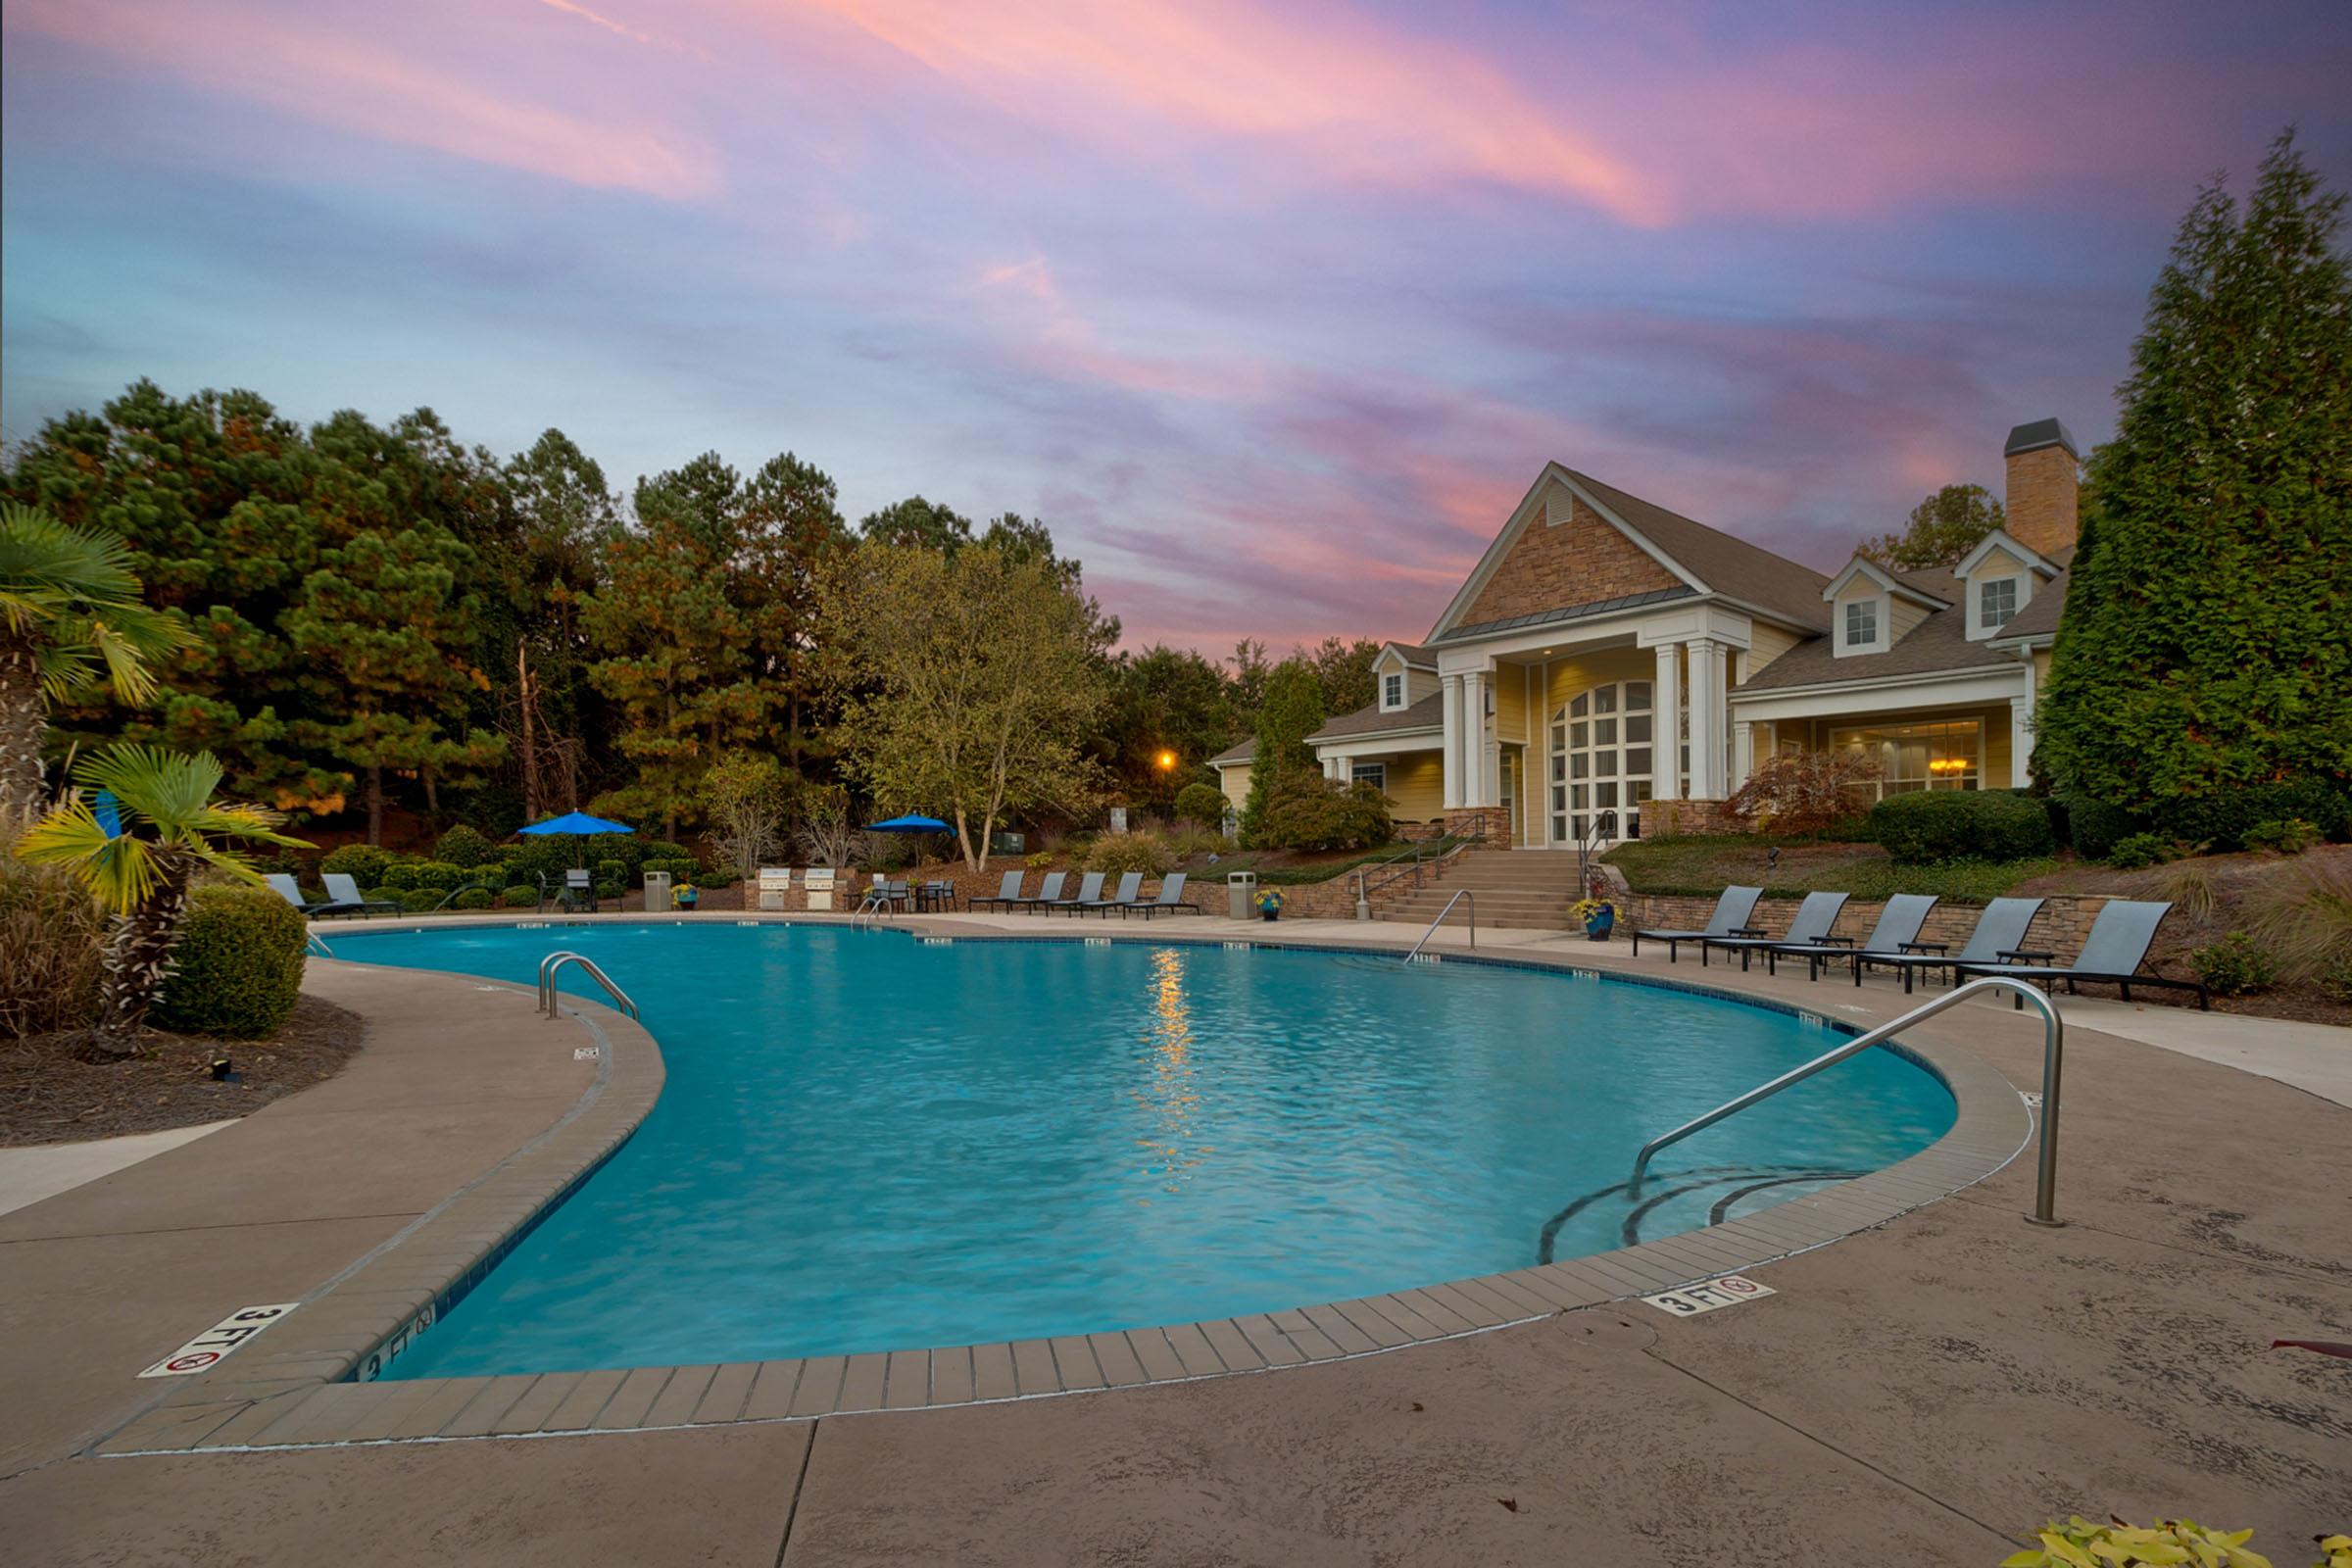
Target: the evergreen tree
(1293, 710)
(917, 522)
(2203, 648)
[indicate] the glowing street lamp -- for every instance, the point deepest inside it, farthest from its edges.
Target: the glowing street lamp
(1166, 762)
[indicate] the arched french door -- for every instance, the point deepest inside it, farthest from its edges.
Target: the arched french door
(1600, 759)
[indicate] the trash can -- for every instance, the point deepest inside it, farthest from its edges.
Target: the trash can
(1241, 895)
(656, 890)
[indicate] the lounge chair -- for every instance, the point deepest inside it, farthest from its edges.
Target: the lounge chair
(1131, 892)
(1732, 910)
(1008, 894)
(1171, 896)
(1898, 923)
(2118, 945)
(347, 899)
(1090, 890)
(1814, 919)
(286, 888)
(2000, 929)
(1049, 893)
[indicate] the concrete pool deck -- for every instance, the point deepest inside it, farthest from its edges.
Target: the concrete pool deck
(1942, 1380)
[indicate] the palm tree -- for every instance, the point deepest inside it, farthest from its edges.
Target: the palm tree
(70, 615)
(167, 826)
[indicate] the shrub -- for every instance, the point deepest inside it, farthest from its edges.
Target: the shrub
(237, 969)
(52, 932)
(2336, 976)
(386, 893)
(464, 846)
(1147, 852)
(1194, 842)
(2235, 966)
(1308, 811)
(1038, 861)
(472, 898)
(518, 896)
(1922, 827)
(663, 850)
(2093, 827)
(421, 901)
(365, 864)
(1203, 804)
(1804, 791)
(2223, 820)
(2291, 837)
(2131, 853)
(2193, 889)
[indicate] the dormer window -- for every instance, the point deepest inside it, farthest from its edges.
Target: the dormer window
(1392, 691)
(1997, 602)
(1861, 624)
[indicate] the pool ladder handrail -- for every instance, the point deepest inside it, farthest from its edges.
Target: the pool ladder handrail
(1458, 896)
(312, 941)
(552, 965)
(2053, 1051)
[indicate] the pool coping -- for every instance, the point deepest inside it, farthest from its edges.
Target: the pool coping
(309, 1381)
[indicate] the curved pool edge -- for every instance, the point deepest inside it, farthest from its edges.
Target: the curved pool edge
(309, 1383)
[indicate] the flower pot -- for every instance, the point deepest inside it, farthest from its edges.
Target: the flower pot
(1269, 914)
(1598, 927)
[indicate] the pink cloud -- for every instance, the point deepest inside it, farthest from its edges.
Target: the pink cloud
(298, 68)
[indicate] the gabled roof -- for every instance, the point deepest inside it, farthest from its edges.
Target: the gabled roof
(1705, 559)
(1907, 584)
(1999, 540)
(1937, 643)
(2038, 620)
(1414, 655)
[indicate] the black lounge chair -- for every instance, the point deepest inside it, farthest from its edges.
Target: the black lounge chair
(2000, 929)
(1047, 893)
(885, 896)
(1732, 910)
(349, 900)
(1090, 890)
(1814, 919)
(1131, 888)
(1008, 894)
(286, 888)
(1171, 896)
(1898, 923)
(2112, 954)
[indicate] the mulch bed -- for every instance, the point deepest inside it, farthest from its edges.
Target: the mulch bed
(50, 1096)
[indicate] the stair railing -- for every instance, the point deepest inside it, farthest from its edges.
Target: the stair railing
(1604, 826)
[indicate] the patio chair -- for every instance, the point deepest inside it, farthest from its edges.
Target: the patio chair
(1090, 890)
(884, 896)
(1171, 898)
(345, 894)
(2000, 929)
(1732, 910)
(1898, 923)
(1131, 889)
(1814, 919)
(2113, 953)
(579, 886)
(1008, 894)
(1049, 893)
(286, 888)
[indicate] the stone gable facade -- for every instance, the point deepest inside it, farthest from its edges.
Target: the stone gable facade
(1577, 562)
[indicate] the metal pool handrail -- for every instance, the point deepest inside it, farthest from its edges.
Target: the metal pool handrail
(2053, 1050)
(313, 940)
(1459, 895)
(553, 964)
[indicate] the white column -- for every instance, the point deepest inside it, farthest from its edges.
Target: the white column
(1451, 688)
(1666, 765)
(1706, 720)
(1744, 751)
(2021, 730)
(1340, 770)
(1474, 739)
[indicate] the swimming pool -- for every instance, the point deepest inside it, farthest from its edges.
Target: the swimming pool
(868, 1142)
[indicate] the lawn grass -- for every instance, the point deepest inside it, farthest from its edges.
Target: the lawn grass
(1702, 867)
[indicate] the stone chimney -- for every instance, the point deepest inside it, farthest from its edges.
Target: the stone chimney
(2042, 486)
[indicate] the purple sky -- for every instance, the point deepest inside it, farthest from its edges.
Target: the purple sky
(1271, 310)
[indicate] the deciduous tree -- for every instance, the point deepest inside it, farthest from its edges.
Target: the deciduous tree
(1940, 530)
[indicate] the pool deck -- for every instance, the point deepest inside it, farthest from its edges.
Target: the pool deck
(1934, 1384)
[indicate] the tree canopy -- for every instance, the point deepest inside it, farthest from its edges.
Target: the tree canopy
(1940, 531)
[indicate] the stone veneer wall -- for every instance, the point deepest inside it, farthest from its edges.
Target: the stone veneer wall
(1572, 562)
(1666, 820)
(2059, 928)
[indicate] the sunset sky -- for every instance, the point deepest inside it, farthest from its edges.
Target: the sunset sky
(1271, 310)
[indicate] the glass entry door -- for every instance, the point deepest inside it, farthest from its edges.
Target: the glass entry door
(1600, 760)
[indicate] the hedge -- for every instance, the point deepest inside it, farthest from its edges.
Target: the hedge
(1922, 827)
(237, 967)
(520, 894)
(364, 863)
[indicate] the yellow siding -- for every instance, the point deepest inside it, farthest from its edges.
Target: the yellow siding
(1906, 616)
(1510, 703)
(1235, 778)
(1416, 785)
(1770, 643)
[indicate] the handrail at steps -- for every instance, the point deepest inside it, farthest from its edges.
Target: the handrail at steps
(1459, 894)
(553, 964)
(1421, 852)
(2053, 1051)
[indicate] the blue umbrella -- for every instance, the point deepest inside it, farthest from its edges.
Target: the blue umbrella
(910, 824)
(576, 822)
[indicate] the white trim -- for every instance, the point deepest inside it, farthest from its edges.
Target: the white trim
(1882, 625)
(1666, 701)
(1401, 700)
(1887, 581)
(2023, 581)
(1423, 738)
(1356, 771)
(1999, 540)
(1981, 688)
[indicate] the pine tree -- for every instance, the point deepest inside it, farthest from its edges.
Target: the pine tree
(2203, 648)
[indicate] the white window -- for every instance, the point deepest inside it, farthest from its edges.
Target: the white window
(1392, 691)
(1375, 774)
(1601, 763)
(1919, 756)
(1997, 602)
(1861, 622)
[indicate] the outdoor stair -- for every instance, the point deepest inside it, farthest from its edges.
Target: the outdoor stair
(1531, 888)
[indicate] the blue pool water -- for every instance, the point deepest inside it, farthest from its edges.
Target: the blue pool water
(868, 1143)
